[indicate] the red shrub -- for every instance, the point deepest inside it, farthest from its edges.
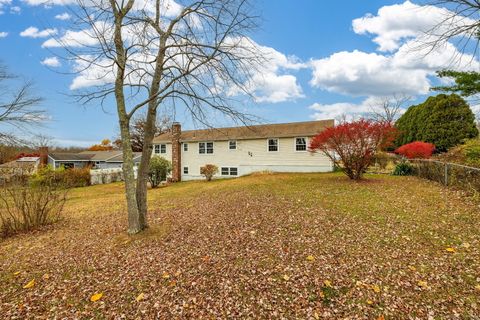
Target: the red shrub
(416, 149)
(23, 155)
(354, 144)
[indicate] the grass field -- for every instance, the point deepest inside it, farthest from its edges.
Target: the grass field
(264, 246)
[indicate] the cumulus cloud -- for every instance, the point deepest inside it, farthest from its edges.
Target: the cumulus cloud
(33, 32)
(51, 62)
(3, 34)
(63, 16)
(49, 3)
(15, 10)
(405, 69)
(401, 22)
(3, 4)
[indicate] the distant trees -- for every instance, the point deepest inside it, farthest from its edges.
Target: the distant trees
(444, 120)
(137, 130)
(416, 150)
(388, 109)
(353, 146)
(105, 145)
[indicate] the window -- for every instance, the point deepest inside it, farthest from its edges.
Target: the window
(272, 144)
(157, 148)
(226, 171)
(185, 147)
(205, 147)
(163, 148)
(300, 144)
(185, 170)
(232, 144)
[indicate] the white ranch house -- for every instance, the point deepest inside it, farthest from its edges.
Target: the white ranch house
(239, 151)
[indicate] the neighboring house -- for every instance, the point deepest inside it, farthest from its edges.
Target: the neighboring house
(21, 166)
(93, 159)
(240, 151)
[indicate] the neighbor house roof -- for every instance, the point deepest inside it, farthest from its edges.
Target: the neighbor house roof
(281, 130)
(18, 164)
(119, 157)
(70, 156)
(102, 155)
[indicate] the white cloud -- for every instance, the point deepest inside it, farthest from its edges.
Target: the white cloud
(49, 3)
(402, 22)
(33, 32)
(15, 10)
(64, 16)
(51, 62)
(3, 34)
(3, 4)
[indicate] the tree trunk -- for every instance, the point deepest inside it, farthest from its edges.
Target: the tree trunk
(142, 175)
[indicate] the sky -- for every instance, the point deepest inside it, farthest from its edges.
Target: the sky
(328, 58)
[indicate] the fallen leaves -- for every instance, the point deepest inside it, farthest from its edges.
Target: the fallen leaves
(286, 277)
(310, 258)
(96, 297)
(30, 284)
(140, 297)
(422, 284)
(450, 249)
(327, 283)
(376, 289)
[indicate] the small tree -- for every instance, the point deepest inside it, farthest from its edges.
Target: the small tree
(416, 150)
(352, 146)
(159, 168)
(209, 170)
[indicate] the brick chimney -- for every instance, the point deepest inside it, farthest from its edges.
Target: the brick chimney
(43, 151)
(176, 152)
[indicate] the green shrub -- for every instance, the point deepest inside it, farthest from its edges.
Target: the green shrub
(471, 150)
(444, 120)
(158, 170)
(403, 168)
(209, 170)
(63, 178)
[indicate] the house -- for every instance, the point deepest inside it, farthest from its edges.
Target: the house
(240, 151)
(94, 159)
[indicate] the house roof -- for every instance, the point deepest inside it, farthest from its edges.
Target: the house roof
(70, 156)
(18, 164)
(101, 155)
(281, 130)
(119, 158)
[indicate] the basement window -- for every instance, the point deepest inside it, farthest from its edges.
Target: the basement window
(272, 145)
(229, 171)
(205, 147)
(185, 170)
(300, 144)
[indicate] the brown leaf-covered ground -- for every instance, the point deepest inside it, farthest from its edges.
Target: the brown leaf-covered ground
(265, 246)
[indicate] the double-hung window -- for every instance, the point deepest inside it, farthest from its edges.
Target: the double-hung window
(205, 147)
(163, 148)
(232, 145)
(272, 144)
(301, 144)
(157, 149)
(185, 170)
(185, 146)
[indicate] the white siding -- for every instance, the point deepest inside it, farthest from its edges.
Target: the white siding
(251, 156)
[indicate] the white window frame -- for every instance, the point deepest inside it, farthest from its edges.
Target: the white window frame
(206, 147)
(185, 147)
(295, 144)
(268, 144)
(156, 149)
(186, 167)
(163, 148)
(228, 172)
(230, 146)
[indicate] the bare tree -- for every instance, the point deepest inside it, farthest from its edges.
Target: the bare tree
(147, 55)
(137, 130)
(18, 107)
(388, 109)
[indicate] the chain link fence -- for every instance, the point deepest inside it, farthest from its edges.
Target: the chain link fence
(448, 174)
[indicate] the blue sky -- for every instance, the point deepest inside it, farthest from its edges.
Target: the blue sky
(341, 64)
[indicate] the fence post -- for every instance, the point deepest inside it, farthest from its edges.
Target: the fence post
(446, 174)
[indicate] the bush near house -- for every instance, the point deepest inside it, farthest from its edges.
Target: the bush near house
(353, 146)
(159, 168)
(416, 150)
(63, 178)
(444, 120)
(209, 170)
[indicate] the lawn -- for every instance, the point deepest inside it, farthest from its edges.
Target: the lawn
(264, 246)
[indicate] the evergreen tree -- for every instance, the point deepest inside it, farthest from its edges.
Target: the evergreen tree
(444, 120)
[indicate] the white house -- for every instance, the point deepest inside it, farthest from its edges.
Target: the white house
(240, 151)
